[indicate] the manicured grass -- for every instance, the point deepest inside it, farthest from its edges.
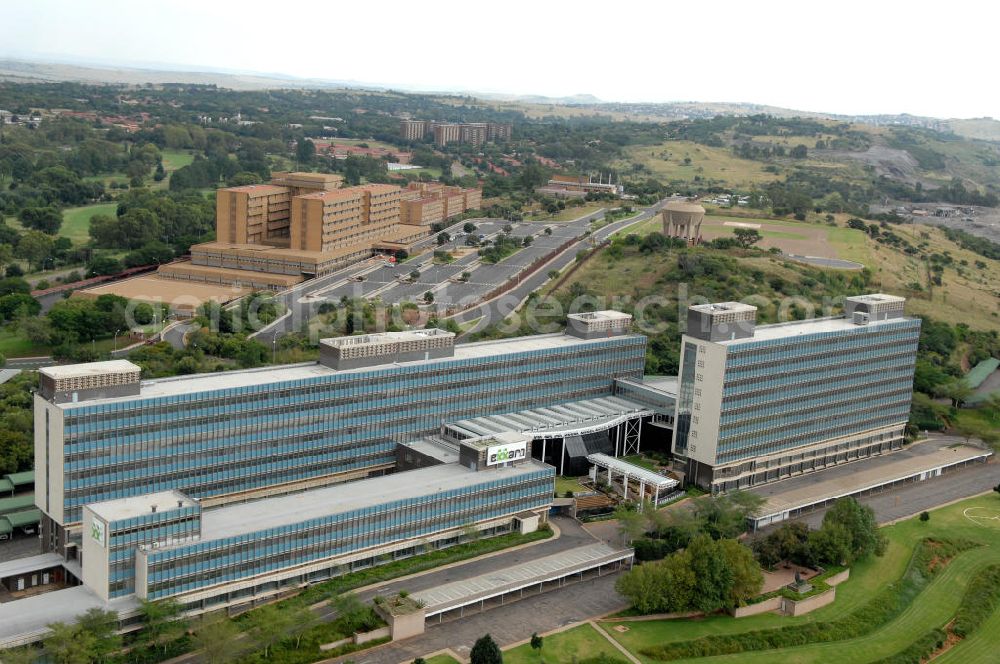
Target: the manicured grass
(564, 647)
(564, 484)
(442, 659)
(76, 221)
(569, 214)
(174, 159)
(15, 345)
(641, 461)
(933, 608)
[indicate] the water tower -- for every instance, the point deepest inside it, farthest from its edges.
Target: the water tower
(683, 219)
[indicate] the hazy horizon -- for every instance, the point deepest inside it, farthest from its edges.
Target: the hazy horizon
(864, 60)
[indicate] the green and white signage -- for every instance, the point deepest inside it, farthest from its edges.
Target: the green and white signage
(498, 454)
(97, 531)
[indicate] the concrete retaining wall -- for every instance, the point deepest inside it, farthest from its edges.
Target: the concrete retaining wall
(358, 639)
(839, 578)
(800, 607)
(772, 604)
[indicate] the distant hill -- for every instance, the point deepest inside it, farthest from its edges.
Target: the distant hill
(12, 69)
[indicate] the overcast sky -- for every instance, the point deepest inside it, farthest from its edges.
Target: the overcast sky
(851, 57)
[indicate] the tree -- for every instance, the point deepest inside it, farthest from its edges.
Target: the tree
(485, 651)
(957, 390)
(44, 219)
(68, 644)
(102, 264)
(925, 516)
(214, 638)
(713, 577)
(469, 227)
(662, 586)
(34, 247)
(747, 237)
(429, 297)
(747, 577)
(799, 152)
(443, 238)
(858, 521)
(831, 544)
(161, 622)
(268, 625)
(527, 240)
(305, 151)
(536, 643)
(631, 524)
(102, 626)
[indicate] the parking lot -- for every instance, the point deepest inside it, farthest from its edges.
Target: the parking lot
(392, 285)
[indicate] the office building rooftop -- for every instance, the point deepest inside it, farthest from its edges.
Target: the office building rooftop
(250, 517)
(186, 385)
(803, 327)
(88, 369)
(126, 508)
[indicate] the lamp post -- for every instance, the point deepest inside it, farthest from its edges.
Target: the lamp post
(116, 339)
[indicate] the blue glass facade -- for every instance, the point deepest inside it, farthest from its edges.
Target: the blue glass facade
(798, 390)
(125, 535)
(198, 565)
(222, 441)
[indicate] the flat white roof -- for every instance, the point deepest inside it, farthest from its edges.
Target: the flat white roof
(851, 478)
(89, 369)
(800, 327)
(632, 471)
(290, 372)
(723, 307)
(126, 508)
(387, 337)
(563, 418)
(254, 516)
(607, 314)
(876, 297)
(29, 616)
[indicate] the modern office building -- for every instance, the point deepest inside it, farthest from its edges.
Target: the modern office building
(239, 435)
(761, 403)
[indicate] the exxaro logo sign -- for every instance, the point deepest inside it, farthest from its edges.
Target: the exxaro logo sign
(506, 453)
(97, 531)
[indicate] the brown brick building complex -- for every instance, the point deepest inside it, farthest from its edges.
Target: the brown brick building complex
(303, 225)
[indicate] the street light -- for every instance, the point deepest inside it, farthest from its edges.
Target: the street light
(116, 339)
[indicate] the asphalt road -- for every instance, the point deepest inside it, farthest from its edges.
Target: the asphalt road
(497, 309)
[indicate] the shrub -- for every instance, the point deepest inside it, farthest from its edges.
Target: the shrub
(980, 601)
(882, 608)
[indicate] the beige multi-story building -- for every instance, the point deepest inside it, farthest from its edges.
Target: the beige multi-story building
(253, 214)
(414, 130)
(475, 133)
(326, 220)
(472, 133)
(422, 211)
(473, 198)
(447, 133)
(307, 183)
(454, 202)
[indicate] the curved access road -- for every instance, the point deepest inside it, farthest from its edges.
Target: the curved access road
(497, 309)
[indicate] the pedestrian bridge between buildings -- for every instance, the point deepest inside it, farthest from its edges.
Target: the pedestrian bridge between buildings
(487, 591)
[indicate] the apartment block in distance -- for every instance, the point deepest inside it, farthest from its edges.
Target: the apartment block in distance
(760, 403)
(471, 133)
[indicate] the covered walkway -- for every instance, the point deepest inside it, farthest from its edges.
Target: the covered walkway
(480, 593)
(655, 483)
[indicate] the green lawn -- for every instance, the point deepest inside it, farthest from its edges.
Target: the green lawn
(564, 484)
(564, 648)
(569, 214)
(933, 609)
(76, 221)
(174, 159)
(14, 345)
(442, 659)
